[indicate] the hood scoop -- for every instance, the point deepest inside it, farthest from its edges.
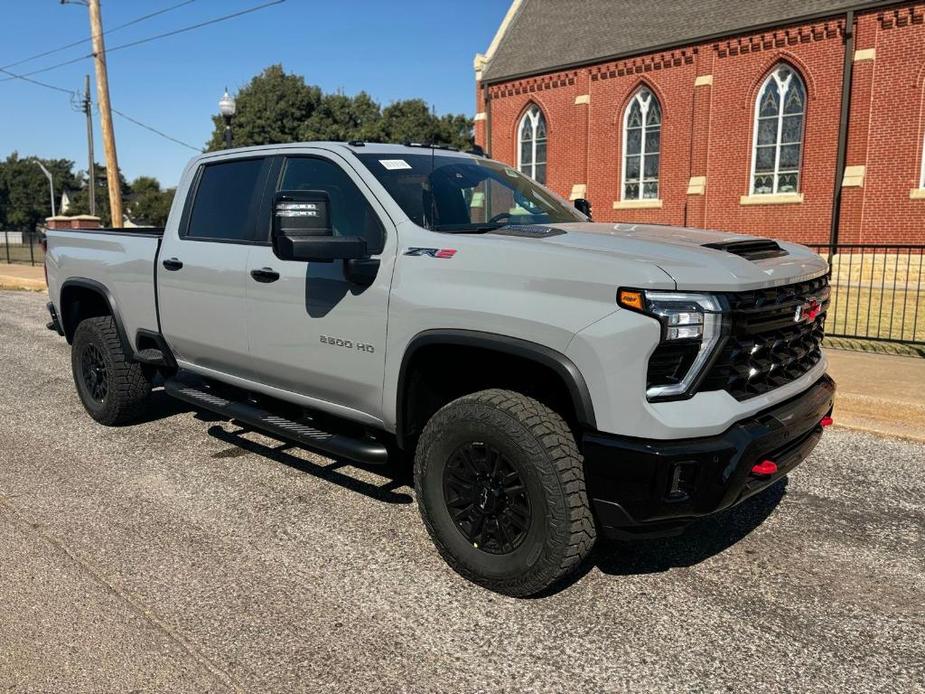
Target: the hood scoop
(528, 231)
(754, 249)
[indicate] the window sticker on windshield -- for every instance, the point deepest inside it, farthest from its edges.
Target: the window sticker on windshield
(478, 199)
(393, 164)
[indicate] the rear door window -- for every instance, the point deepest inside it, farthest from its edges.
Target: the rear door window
(227, 197)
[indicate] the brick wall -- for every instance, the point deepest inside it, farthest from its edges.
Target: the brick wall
(707, 94)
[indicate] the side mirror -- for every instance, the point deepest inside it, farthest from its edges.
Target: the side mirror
(584, 206)
(302, 229)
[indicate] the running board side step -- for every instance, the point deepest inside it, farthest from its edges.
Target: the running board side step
(363, 451)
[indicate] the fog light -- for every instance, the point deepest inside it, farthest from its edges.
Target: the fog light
(765, 468)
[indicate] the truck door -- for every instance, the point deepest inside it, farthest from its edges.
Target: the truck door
(201, 277)
(313, 332)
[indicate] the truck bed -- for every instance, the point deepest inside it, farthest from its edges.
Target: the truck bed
(120, 260)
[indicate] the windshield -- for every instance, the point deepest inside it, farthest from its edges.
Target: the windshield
(453, 193)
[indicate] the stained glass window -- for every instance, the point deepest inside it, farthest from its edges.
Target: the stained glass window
(642, 126)
(780, 112)
(531, 154)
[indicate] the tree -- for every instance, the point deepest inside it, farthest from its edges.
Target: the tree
(271, 109)
(277, 107)
(24, 195)
(148, 205)
(341, 118)
(80, 200)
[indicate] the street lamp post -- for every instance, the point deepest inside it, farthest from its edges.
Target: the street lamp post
(51, 184)
(226, 107)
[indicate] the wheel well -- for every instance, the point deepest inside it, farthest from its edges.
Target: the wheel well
(79, 303)
(436, 374)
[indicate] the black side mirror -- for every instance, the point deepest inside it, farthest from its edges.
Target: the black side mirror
(584, 206)
(302, 229)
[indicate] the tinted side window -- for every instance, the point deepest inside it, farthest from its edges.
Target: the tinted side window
(226, 200)
(351, 213)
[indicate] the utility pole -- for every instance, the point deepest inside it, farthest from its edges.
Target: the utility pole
(91, 165)
(102, 94)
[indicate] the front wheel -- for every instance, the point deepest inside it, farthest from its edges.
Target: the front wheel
(501, 489)
(112, 387)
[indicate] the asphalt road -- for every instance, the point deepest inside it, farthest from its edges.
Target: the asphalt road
(175, 555)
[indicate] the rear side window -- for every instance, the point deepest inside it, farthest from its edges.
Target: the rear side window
(351, 213)
(226, 200)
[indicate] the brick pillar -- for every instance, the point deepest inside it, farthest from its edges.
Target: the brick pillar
(851, 222)
(80, 221)
(580, 143)
(700, 139)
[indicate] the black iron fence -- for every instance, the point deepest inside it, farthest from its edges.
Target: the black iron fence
(877, 292)
(22, 247)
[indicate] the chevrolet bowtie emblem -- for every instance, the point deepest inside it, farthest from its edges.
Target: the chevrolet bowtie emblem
(808, 310)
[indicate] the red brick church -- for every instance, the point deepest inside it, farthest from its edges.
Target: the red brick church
(799, 119)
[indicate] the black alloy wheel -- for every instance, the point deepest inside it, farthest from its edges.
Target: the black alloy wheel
(487, 498)
(94, 373)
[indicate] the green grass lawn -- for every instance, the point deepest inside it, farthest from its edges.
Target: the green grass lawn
(18, 254)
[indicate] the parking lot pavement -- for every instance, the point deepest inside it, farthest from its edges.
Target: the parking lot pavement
(177, 555)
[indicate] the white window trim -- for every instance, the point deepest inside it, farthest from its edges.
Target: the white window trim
(534, 114)
(644, 108)
(782, 91)
(922, 174)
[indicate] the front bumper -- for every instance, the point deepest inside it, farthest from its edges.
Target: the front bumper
(641, 487)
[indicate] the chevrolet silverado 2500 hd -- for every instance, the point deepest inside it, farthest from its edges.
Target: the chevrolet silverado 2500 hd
(554, 379)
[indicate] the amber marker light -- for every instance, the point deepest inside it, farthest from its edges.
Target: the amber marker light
(631, 299)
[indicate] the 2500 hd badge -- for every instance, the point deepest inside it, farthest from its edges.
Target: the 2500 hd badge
(349, 344)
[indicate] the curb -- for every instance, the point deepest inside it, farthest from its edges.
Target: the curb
(22, 284)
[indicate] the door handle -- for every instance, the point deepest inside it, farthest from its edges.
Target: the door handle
(172, 264)
(265, 275)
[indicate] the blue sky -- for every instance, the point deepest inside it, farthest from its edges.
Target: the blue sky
(394, 49)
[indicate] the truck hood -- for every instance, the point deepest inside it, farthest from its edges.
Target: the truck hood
(682, 253)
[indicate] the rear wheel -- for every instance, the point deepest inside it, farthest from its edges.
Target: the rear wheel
(501, 490)
(112, 387)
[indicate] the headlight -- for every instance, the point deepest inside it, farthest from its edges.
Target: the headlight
(691, 329)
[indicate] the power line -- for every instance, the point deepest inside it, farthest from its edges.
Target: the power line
(124, 115)
(90, 38)
(155, 130)
(14, 76)
(148, 39)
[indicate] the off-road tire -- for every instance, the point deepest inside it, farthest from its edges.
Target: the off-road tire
(540, 445)
(128, 383)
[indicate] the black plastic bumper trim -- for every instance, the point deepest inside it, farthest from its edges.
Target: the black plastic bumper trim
(635, 487)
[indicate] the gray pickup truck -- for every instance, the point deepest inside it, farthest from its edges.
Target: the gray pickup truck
(553, 379)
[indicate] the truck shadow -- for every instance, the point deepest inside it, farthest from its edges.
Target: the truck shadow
(394, 474)
(700, 541)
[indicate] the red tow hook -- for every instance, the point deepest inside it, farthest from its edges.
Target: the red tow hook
(826, 422)
(765, 468)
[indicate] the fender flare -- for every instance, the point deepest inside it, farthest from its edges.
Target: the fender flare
(564, 367)
(103, 291)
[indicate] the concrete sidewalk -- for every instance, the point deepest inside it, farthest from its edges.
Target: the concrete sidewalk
(29, 277)
(882, 393)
